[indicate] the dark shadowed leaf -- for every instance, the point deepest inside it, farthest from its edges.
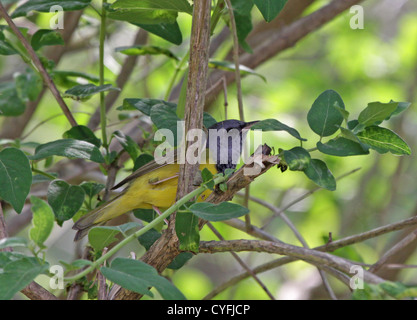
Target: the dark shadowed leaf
(64, 199)
(70, 148)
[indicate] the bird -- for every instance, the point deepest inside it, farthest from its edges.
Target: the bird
(154, 185)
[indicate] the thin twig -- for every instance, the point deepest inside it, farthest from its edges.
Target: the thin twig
(242, 263)
(38, 64)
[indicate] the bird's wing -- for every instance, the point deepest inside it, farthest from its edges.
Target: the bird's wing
(149, 167)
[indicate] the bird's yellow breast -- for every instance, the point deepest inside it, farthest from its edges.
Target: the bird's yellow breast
(157, 188)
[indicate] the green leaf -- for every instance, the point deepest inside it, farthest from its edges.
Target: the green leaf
(168, 31)
(270, 8)
(324, 117)
(12, 242)
(180, 260)
(138, 276)
(218, 212)
(101, 237)
(144, 105)
(342, 147)
(376, 112)
(145, 12)
(208, 120)
(28, 85)
(65, 78)
(140, 161)
(318, 172)
(92, 188)
(45, 6)
(140, 50)
(10, 103)
(148, 238)
(42, 221)
(188, 232)
(275, 125)
(243, 19)
(46, 37)
(297, 158)
(6, 48)
(83, 133)
(383, 140)
(208, 178)
(84, 92)
(64, 199)
(230, 66)
(69, 148)
(402, 106)
(146, 215)
(128, 144)
(151, 5)
(17, 274)
(15, 177)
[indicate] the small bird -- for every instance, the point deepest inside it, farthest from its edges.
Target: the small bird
(154, 185)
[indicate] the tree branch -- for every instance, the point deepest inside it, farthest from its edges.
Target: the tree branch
(314, 257)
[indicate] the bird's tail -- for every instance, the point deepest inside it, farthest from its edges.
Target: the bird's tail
(94, 218)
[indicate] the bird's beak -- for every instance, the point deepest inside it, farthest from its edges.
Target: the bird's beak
(250, 124)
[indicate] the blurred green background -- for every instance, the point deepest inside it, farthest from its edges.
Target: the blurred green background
(378, 63)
